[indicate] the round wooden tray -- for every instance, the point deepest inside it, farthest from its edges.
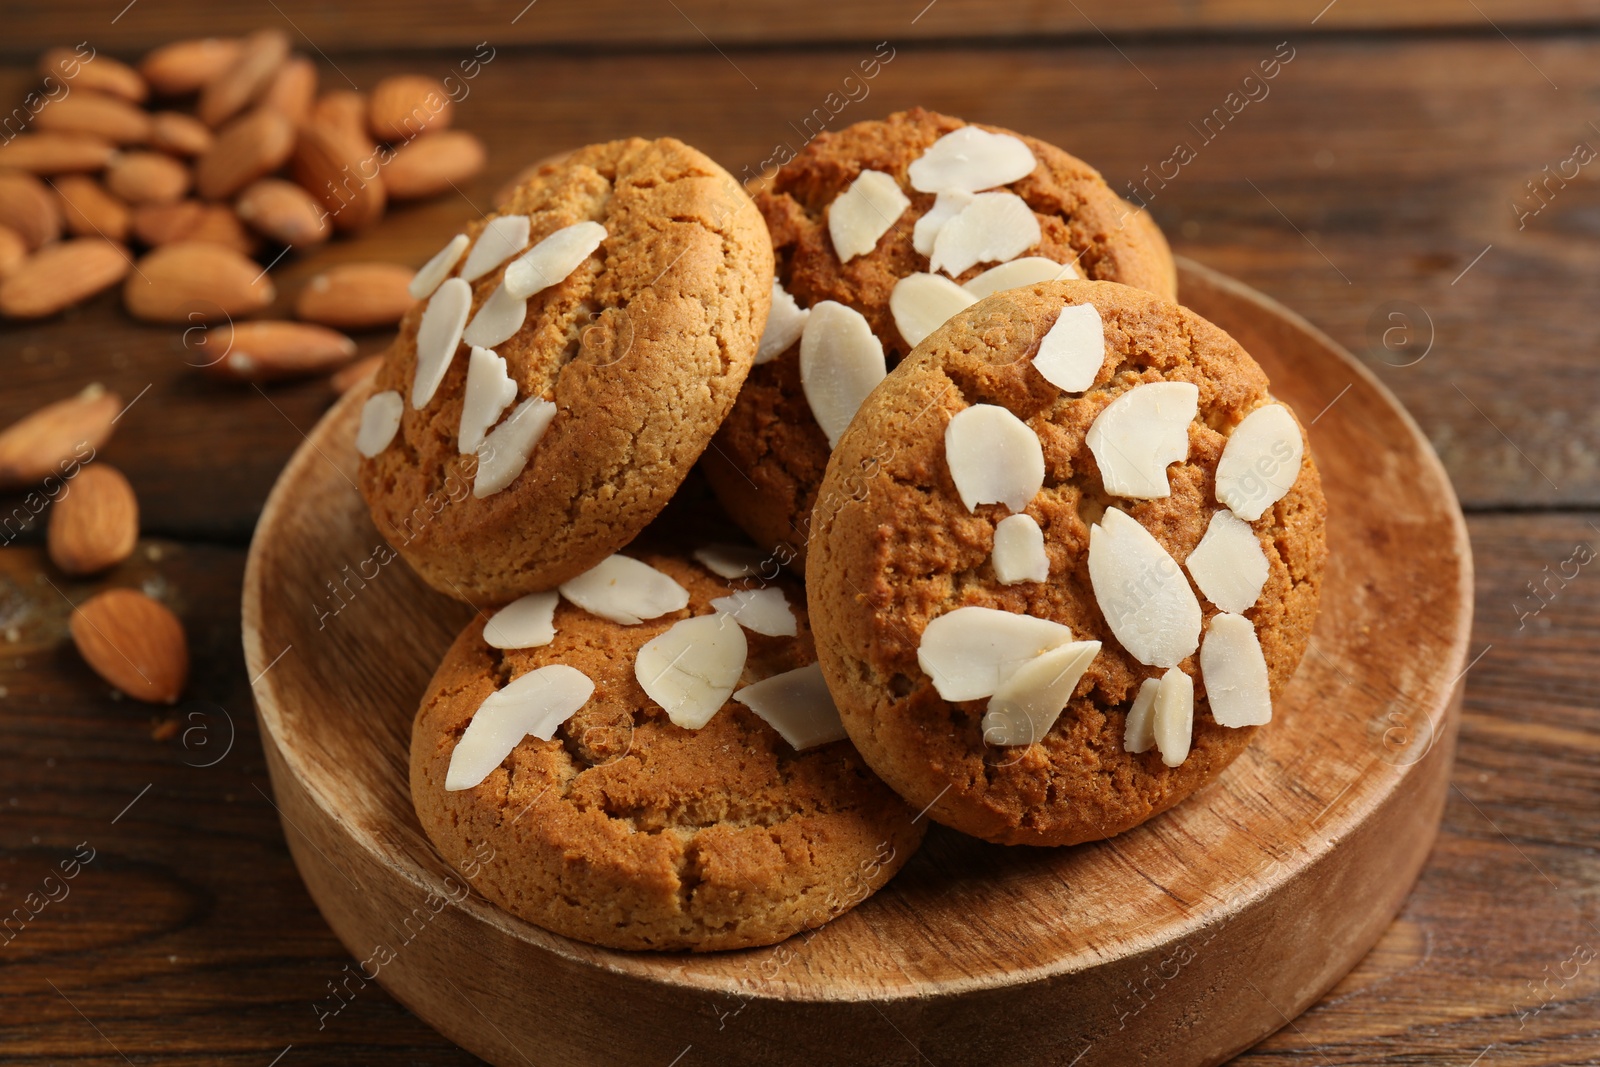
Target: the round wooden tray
(1181, 942)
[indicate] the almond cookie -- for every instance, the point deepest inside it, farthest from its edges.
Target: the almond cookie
(654, 762)
(566, 362)
(890, 227)
(1067, 555)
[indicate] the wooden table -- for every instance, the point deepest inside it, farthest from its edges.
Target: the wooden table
(1380, 187)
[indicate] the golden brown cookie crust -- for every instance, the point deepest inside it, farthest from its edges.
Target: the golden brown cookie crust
(627, 831)
(898, 549)
(643, 349)
(769, 455)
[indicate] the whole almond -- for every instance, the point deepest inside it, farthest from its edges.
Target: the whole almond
(13, 250)
(251, 146)
(293, 89)
(56, 153)
(432, 164)
(356, 373)
(219, 224)
(184, 66)
(28, 206)
(61, 275)
(104, 116)
(344, 109)
(405, 105)
(161, 224)
(356, 296)
(196, 281)
(92, 72)
(342, 173)
(90, 211)
(133, 642)
(260, 56)
(265, 351)
(57, 437)
(283, 212)
(180, 134)
(95, 524)
(147, 177)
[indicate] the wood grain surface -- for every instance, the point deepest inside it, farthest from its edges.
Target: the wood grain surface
(1382, 174)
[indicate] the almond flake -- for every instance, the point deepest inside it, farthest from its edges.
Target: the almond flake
(532, 704)
(1143, 595)
(1228, 564)
(380, 421)
(691, 669)
(1260, 462)
(527, 622)
(438, 337)
(489, 392)
(864, 212)
(1173, 717)
(1139, 434)
(1073, 349)
(994, 228)
(761, 611)
(1019, 554)
(785, 323)
(798, 705)
(437, 269)
(840, 363)
(625, 590)
(503, 237)
(946, 206)
(1139, 735)
(994, 457)
(1028, 703)
(1235, 672)
(499, 319)
(1029, 270)
(921, 303)
(730, 561)
(504, 453)
(970, 159)
(971, 651)
(551, 260)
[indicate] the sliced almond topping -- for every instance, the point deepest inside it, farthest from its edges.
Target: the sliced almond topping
(921, 303)
(1028, 703)
(798, 705)
(692, 668)
(1235, 673)
(438, 268)
(970, 652)
(625, 590)
(1073, 349)
(504, 453)
(784, 325)
(1228, 564)
(970, 159)
(527, 622)
(1019, 554)
(499, 319)
(380, 421)
(946, 206)
(1173, 718)
(1019, 272)
(1139, 735)
(864, 212)
(533, 704)
(1139, 434)
(840, 363)
(761, 611)
(1260, 462)
(1143, 595)
(438, 337)
(994, 457)
(552, 259)
(994, 228)
(489, 392)
(502, 237)
(731, 561)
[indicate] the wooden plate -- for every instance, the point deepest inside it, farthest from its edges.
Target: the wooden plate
(1181, 942)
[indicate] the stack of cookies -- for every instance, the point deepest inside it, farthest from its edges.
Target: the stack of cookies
(1060, 545)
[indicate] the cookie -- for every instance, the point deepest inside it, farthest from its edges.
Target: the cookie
(768, 458)
(626, 829)
(566, 363)
(1027, 541)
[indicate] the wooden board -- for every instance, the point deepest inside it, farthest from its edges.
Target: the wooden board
(1183, 941)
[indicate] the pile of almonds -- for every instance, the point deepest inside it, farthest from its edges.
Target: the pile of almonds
(216, 157)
